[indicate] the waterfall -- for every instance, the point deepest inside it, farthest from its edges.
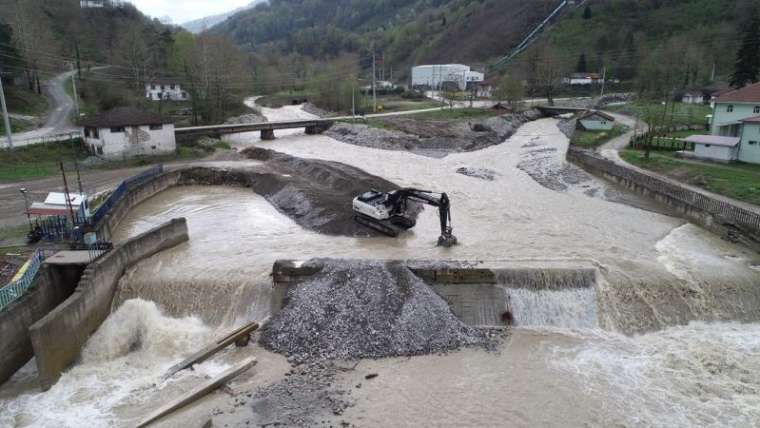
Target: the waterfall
(568, 308)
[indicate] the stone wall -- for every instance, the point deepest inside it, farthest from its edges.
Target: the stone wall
(15, 321)
(59, 337)
(133, 197)
(719, 216)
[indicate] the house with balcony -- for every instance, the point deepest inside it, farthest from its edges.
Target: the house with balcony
(165, 90)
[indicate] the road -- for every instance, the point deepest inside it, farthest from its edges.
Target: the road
(59, 115)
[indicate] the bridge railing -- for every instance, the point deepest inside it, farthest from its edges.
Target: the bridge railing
(15, 289)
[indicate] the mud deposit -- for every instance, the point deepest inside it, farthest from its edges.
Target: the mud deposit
(433, 138)
(316, 194)
(365, 309)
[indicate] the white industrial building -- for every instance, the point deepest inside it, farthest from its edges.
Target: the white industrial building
(165, 90)
(126, 132)
(433, 76)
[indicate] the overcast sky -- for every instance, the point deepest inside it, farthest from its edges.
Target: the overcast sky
(181, 11)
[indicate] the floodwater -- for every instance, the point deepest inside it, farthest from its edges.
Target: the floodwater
(568, 361)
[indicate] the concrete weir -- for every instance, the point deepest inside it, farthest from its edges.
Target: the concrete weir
(485, 294)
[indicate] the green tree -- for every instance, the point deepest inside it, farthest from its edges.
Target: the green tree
(582, 66)
(747, 67)
(510, 90)
(587, 12)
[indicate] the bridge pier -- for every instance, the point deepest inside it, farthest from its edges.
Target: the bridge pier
(267, 134)
(312, 130)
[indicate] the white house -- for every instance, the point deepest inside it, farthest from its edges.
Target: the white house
(434, 76)
(693, 98)
(127, 132)
(165, 90)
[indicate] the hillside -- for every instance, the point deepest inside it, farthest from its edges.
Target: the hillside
(198, 25)
(407, 31)
(627, 37)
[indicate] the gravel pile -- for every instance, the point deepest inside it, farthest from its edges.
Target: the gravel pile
(365, 309)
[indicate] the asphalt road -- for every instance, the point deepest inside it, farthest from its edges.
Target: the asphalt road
(59, 116)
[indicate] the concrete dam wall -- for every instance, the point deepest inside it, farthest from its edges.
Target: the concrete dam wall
(719, 216)
(495, 294)
(58, 337)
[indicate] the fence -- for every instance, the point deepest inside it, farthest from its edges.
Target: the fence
(17, 288)
(120, 191)
(724, 212)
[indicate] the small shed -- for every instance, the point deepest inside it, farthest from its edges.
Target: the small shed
(715, 147)
(596, 121)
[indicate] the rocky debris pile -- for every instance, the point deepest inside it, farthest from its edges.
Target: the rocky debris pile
(615, 98)
(365, 309)
(246, 118)
(433, 138)
(306, 397)
(481, 173)
(311, 108)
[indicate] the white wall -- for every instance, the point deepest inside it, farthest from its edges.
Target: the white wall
(434, 75)
(721, 153)
(134, 141)
(156, 92)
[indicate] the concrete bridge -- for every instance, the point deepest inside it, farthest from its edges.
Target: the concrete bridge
(559, 110)
(312, 126)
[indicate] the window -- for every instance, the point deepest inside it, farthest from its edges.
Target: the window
(756, 110)
(753, 143)
(153, 87)
(707, 145)
(172, 86)
(100, 150)
(156, 127)
(118, 129)
(730, 108)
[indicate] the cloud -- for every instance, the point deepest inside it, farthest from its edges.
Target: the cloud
(181, 11)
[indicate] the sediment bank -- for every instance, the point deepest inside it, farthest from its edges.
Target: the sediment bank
(433, 138)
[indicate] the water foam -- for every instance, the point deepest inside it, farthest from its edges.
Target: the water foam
(120, 366)
(568, 308)
(700, 375)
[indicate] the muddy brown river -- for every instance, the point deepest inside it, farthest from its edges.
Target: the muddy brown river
(631, 352)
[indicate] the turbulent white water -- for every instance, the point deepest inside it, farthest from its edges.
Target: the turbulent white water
(701, 375)
(120, 368)
(572, 308)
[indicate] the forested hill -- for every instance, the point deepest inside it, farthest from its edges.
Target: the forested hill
(408, 31)
(625, 36)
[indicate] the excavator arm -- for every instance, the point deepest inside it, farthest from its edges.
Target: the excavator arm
(399, 204)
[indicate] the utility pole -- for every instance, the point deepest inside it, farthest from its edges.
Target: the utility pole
(74, 87)
(604, 79)
(374, 82)
(353, 101)
(7, 120)
(712, 75)
(67, 195)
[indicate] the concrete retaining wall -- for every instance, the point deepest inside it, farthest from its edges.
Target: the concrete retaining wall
(134, 196)
(58, 337)
(476, 295)
(15, 321)
(719, 216)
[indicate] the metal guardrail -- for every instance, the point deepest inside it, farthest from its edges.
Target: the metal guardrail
(57, 138)
(122, 189)
(16, 289)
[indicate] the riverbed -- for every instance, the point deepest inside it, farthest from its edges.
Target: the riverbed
(634, 365)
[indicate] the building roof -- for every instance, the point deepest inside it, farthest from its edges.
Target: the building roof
(591, 113)
(713, 140)
(747, 94)
(753, 119)
(124, 116)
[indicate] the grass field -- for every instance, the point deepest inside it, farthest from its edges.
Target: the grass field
(16, 126)
(25, 102)
(591, 139)
(37, 161)
(739, 181)
(683, 114)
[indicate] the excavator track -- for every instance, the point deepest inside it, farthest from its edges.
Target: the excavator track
(381, 226)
